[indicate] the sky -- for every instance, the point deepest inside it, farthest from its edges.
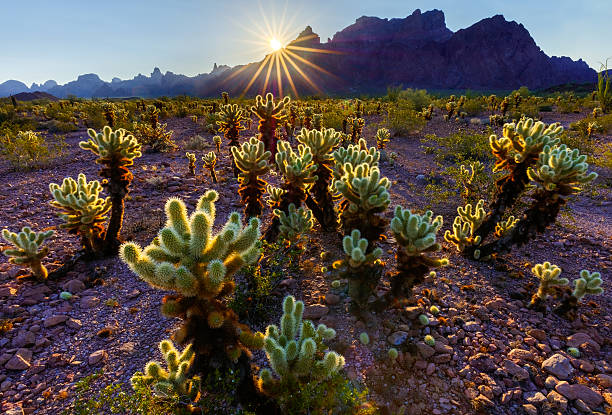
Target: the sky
(61, 39)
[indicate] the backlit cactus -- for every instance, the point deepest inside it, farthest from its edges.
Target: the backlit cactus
(416, 238)
(354, 154)
(274, 196)
(82, 209)
(217, 142)
(270, 116)
(210, 161)
(365, 196)
(307, 118)
(151, 132)
(322, 144)
(116, 151)
(548, 274)
(230, 124)
(173, 381)
(356, 127)
(297, 356)
(505, 226)
(469, 177)
(588, 283)
(468, 220)
(363, 269)
(382, 138)
(298, 171)
(191, 157)
(295, 224)
(28, 250)
(189, 258)
(252, 161)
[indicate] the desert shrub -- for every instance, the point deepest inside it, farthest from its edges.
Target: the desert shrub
(197, 142)
(29, 150)
(459, 147)
(55, 126)
(526, 108)
(402, 119)
(333, 119)
(417, 97)
(473, 106)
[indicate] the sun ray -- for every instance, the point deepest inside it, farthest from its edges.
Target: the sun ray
(265, 86)
(306, 77)
(305, 49)
(307, 62)
(279, 81)
(246, 89)
(282, 60)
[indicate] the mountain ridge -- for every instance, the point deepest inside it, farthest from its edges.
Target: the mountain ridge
(366, 57)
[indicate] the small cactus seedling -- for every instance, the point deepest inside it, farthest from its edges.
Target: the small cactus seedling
(548, 274)
(230, 124)
(429, 340)
(468, 219)
(416, 238)
(270, 116)
(365, 196)
(191, 157)
(587, 283)
(116, 151)
(322, 144)
(217, 142)
(295, 224)
(298, 171)
(393, 354)
(172, 382)
(274, 196)
(559, 173)
(210, 161)
(82, 210)
(364, 338)
(363, 269)
(382, 138)
(27, 250)
(189, 258)
(298, 357)
(252, 161)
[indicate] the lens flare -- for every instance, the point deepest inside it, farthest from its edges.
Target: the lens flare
(275, 44)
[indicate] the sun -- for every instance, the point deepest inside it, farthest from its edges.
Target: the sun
(275, 44)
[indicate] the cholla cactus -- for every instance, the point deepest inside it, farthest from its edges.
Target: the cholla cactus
(356, 125)
(317, 122)
(173, 381)
(496, 120)
(597, 112)
(322, 144)
(382, 138)
(505, 226)
(270, 115)
(194, 118)
(252, 161)
(503, 106)
(28, 250)
(153, 133)
(82, 209)
(295, 353)
(108, 110)
(210, 161)
(187, 257)
(515, 152)
(116, 151)
(365, 196)
(587, 283)
(468, 220)
(354, 154)
(363, 269)
(295, 224)
(191, 157)
(559, 173)
(548, 274)
(217, 142)
(451, 108)
(416, 238)
(230, 124)
(307, 118)
(298, 174)
(275, 196)
(469, 178)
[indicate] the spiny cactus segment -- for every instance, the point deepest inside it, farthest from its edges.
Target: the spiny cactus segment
(548, 274)
(252, 161)
(174, 380)
(295, 224)
(210, 161)
(297, 355)
(588, 283)
(270, 115)
(27, 250)
(465, 224)
(191, 157)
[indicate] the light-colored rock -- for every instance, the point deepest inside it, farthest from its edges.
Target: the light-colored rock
(535, 398)
(520, 354)
(559, 366)
(578, 339)
(517, 372)
(74, 323)
(97, 357)
(20, 360)
(592, 398)
(557, 400)
(530, 409)
(54, 320)
(74, 286)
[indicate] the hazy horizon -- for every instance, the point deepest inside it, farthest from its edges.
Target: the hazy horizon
(60, 42)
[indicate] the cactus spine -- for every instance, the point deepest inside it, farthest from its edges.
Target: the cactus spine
(188, 258)
(322, 144)
(270, 116)
(252, 161)
(116, 151)
(27, 251)
(297, 356)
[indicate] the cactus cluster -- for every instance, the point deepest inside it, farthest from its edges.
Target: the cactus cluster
(465, 224)
(294, 224)
(252, 160)
(297, 355)
(356, 127)
(416, 238)
(210, 161)
(174, 381)
(231, 119)
(548, 274)
(151, 132)
(270, 114)
(116, 151)
(189, 258)
(28, 250)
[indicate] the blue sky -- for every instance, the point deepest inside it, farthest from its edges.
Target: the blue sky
(64, 38)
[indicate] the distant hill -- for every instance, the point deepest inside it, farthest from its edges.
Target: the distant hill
(366, 57)
(31, 96)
